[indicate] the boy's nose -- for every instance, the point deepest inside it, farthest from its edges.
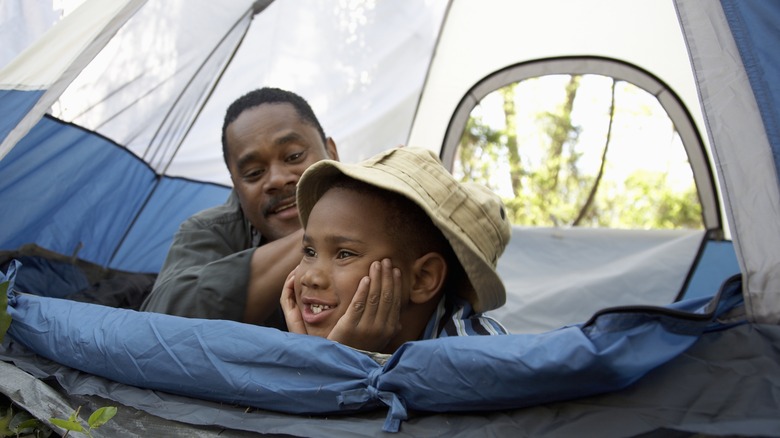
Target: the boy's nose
(314, 278)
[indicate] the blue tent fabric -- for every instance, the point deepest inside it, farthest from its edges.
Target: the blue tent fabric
(756, 29)
(110, 185)
(269, 369)
(15, 104)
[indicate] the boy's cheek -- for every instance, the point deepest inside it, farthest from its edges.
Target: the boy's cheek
(297, 285)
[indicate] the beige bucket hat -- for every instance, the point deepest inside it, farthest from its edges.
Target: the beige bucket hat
(470, 216)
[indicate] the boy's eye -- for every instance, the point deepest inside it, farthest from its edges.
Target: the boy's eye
(344, 254)
(309, 252)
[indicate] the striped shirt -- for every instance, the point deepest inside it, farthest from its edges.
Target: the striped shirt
(455, 317)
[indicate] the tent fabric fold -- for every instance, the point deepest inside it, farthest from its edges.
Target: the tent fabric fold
(269, 369)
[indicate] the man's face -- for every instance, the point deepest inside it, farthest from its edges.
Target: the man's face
(268, 148)
(345, 234)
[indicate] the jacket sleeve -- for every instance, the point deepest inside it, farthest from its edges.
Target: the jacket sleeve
(205, 275)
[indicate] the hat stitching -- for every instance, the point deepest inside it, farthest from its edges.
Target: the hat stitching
(485, 245)
(482, 246)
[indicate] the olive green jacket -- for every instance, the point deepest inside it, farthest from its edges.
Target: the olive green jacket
(206, 272)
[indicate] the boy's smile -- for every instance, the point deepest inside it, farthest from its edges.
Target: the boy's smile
(315, 312)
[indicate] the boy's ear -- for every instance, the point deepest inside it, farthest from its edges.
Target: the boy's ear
(429, 273)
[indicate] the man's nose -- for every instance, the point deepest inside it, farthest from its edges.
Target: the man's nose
(279, 176)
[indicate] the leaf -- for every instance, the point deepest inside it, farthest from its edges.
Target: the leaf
(27, 426)
(75, 415)
(5, 421)
(5, 318)
(67, 424)
(101, 416)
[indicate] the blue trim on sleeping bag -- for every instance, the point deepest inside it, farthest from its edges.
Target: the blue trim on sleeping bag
(75, 192)
(49, 278)
(14, 105)
(755, 26)
(265, 368)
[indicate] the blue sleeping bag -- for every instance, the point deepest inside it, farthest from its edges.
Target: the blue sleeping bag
(265, 368)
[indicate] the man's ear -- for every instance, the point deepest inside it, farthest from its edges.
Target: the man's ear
(429, 273)
(330, 148)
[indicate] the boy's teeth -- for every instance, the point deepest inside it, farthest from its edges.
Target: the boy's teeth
(317, 308)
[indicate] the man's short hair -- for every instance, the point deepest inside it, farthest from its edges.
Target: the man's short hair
(269, 95)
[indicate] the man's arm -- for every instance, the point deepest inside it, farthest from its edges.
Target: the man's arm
(205, 275)
(270, 266)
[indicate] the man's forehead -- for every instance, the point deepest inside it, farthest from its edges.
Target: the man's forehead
(271, 127)
(270, 111)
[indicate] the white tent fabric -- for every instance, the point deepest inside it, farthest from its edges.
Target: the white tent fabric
(59, 56)
(557, 277)
(361, 66)
(22, 23)
(366, 104)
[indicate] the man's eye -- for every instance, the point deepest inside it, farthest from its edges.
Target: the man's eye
(254, 173)
(294, 157)
(308, 252)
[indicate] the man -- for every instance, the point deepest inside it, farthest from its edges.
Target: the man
(230, 261)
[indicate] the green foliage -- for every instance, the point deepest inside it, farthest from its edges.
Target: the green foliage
(97, 419)
(101, 416)
(548, 183)
(18, 423)
(5, 318)
(650, 204)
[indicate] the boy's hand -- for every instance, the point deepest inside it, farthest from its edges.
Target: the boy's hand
(373, 318)
(292, 313)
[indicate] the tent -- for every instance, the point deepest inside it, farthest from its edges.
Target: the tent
(109, 133)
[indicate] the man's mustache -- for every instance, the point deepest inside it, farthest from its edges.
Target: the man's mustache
(277, 200)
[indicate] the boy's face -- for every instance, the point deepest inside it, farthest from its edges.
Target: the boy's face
(345, 234)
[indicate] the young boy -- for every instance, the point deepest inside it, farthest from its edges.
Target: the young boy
(395, 250)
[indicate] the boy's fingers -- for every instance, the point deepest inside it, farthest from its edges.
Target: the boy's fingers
(357, 306)
(288, 290)
(388, 283)
(389, 305)
(372, 318)
(292, 313)
(396, 309)
(382, 321)
(374, 293)
(345, 331)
